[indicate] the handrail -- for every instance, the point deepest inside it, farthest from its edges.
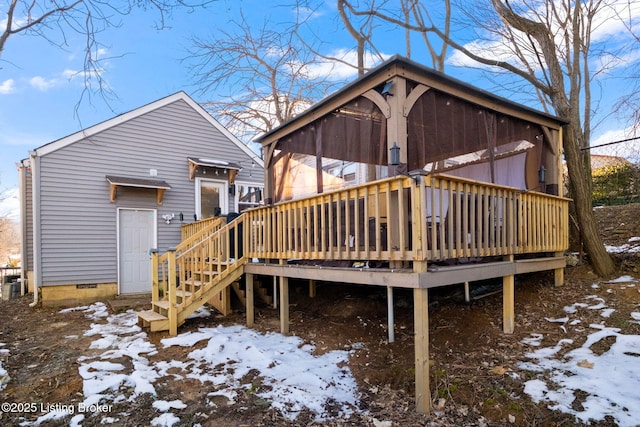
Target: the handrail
(433, 217)
(355, 223)
(198, 227)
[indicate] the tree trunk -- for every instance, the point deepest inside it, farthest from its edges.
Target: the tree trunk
(598, 256)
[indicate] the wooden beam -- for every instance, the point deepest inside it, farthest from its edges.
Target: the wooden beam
(421, 337)
(113, 192)
(558, 273)
(413, 97)
(284, 305)
(379, 100)
(540, 264)
(390, 318)
(358, 276)
(250, 307)
(172, 312)
(508, 297)
(442, 276)
(312, 288)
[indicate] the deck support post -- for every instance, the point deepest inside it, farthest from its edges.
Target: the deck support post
(171, 285)
(275, 292)
(558, 273)
(390, 317)
(312, 288)
(508, 297)
(155, 283)
(421, 342)
(467, 292)
(421, 332)
(284, 305)
(250, 307)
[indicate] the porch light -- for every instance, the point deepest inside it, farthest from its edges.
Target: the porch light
(542, 174)
(386, 90)
(395, 154)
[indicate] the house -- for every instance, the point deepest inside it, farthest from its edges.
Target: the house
(95, 202)
(405, 178)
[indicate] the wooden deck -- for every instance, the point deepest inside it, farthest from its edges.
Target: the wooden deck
(411, 232)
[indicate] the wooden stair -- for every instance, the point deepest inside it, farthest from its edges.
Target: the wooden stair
(260, 291)
(193, 275)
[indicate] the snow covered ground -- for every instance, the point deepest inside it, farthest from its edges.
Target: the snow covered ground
(606, 382)
(293, 378)
(4, 376)
(632, 246)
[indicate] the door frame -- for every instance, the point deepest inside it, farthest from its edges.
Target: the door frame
(155, 235)
(224, 196)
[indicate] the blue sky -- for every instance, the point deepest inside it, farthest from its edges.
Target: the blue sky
(38, 98)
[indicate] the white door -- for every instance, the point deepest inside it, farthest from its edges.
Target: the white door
(211, 198)
(136, 235)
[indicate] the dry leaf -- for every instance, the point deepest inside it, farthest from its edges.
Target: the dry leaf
(498, 370)
(585, 364)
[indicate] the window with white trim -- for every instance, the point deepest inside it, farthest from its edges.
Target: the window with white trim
(248, 195)
(211, 198)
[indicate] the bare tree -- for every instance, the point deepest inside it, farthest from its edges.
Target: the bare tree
(550, 48)
(264, 76)
(57, 20)
(9, 234)
(411, 16)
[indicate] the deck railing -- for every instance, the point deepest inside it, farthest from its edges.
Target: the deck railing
(426, 218)
(200, 227)
(431, 218)
(357, 223)
(198, 264)
(467, 218)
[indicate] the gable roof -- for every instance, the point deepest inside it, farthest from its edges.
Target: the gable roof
(122, 118)
(399, 65)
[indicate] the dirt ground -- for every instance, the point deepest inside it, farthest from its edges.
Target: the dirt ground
(471, 357)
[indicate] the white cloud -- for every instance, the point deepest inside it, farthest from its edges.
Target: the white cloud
(497, 50)
(611, 26)
(8, 86)
(10, 204)
(341, 70)
(616, 20)
(629, 149)
(42, 84)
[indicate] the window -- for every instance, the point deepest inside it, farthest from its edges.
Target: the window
(211, 198)
(248, 195)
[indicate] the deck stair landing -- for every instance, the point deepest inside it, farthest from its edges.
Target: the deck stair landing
(197, 271)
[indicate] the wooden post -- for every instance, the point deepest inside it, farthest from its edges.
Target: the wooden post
(421, 342)
(171, 284)
(508, 292)
(284, 305)
(155, 285)
(558, 273)
(249, 300)
(421, 329)
(275, 292)
(467, 292)
(390, 318)
(312, 288)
